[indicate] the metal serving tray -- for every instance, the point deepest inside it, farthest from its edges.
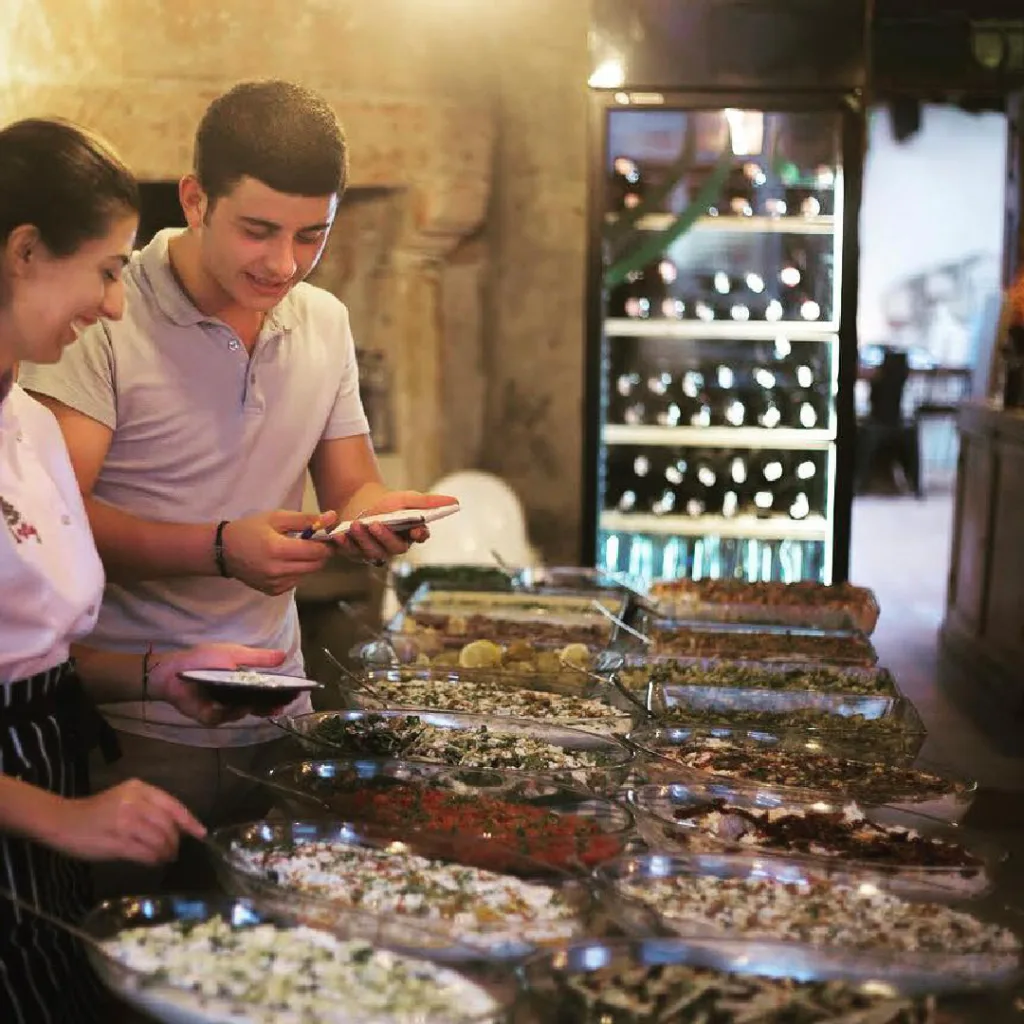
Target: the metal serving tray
(657, 808)
(943, 966)
(636, 671)
(156, 996)
(808, 768)
(833, 607)
(734, 641)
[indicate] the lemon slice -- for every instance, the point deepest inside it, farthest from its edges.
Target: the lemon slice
(480, 654)
(576, 654)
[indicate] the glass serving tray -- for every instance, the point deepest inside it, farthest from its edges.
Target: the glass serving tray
(571, 756)
(809, 906)
(507, 617)
(638, 981)
(804, 768)
(505, 914)
(576, 701)
(897, 736)
(153, 991)
(663, 820)
(551, 824)
(662, 700)
(735, 601)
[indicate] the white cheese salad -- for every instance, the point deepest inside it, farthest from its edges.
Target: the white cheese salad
(480, 907)
(300, 975)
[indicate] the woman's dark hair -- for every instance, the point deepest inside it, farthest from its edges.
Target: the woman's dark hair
(279, 133)
(66, 182)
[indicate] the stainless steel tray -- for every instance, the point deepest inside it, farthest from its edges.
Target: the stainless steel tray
(658, 809)
(347, 786)
(804, 909)
(603, 981)
(612, 761)
(155, 995)
(831, 607)
(497, 939)
(944, 796)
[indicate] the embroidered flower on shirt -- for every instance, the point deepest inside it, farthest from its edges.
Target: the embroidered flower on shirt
(21, 529)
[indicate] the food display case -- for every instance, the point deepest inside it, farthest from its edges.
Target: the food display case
(721, 330)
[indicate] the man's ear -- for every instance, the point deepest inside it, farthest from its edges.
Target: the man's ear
(194, 201)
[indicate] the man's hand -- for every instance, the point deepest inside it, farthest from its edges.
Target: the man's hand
(259, 552)
(166, 684)
(377, 543)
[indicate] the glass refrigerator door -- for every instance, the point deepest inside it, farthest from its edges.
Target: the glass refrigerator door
(720, 343)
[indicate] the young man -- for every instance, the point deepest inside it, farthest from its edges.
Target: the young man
(192, 421)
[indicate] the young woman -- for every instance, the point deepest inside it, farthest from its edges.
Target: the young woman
(68, 214)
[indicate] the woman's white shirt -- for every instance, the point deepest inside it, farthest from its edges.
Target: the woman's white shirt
(51, 577)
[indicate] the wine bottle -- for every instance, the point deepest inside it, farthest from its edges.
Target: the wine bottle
(643, 293)
(626, 186)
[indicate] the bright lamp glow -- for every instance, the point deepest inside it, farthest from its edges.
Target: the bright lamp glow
(746, 127)
(609, 74)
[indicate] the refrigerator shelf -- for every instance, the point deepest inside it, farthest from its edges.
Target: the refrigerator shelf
(753, 330)
(755, 225)
(745, 527)
(780, 438)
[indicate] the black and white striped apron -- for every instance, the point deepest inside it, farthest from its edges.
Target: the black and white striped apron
(47, 727)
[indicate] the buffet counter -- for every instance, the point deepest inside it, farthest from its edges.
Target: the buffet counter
(984, 626)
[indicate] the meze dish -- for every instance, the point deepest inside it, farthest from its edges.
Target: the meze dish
(593, 707)
(468, 741)
(642, 981)
(828, 606)
(530, 816)
(192, 961)
(813, 905)
(915, 852)
(503, 914)
(803, 766)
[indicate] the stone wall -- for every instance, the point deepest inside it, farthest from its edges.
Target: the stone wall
(467, 126)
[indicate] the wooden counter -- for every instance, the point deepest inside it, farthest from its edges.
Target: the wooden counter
(983, 632)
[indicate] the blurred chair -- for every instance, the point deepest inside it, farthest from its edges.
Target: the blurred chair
(491, 521)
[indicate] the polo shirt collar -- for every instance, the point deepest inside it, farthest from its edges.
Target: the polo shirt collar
(154, 263)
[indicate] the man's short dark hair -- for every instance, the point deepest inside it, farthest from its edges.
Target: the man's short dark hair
(279, 133)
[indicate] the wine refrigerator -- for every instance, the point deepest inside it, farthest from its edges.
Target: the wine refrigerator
(721, 350)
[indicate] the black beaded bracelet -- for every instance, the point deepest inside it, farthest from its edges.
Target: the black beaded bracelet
(145, 672)
(218, 550)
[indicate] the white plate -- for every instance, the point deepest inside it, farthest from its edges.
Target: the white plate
(249, 679)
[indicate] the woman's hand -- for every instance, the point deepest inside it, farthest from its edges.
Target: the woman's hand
(131, 821)
(166, 684)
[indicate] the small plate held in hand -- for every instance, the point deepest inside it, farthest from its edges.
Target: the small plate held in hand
(242, 687)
